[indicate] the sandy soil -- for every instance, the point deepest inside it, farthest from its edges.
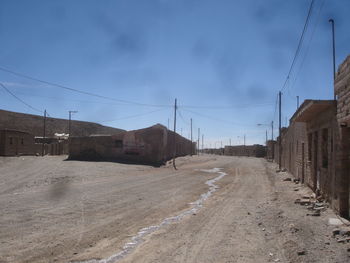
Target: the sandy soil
(62, 211)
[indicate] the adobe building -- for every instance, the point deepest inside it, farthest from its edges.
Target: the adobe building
(255, 150)
(153, 145)
(342, 145)
(14, 143)
(316, 145)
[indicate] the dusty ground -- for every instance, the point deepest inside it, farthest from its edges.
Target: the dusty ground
(62, 211)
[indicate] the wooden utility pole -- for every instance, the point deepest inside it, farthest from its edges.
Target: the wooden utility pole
(272, 130)
(69, 122)
(297, 102)
(44, 135)
(266, 138)
(333, 42)
(174, 156)
(191, 139)
(202, 142)
(199, 130)
(280, 130)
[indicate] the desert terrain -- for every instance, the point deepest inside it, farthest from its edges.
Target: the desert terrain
(53, 210)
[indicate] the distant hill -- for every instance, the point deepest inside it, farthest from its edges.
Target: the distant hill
(34, 125)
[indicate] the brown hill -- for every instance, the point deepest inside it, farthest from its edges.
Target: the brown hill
(34, 125)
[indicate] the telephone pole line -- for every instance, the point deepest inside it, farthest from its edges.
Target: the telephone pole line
(174, 156)
(280, 130)
(297, 102)
(199, 130)
(202, 143)
(272, 130)
(69, 122)
(191, 139)
(333, 42)
(44, 135)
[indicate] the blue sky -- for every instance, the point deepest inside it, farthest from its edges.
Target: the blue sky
(224, 61)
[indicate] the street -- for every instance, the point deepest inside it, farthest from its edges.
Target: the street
(70, 211)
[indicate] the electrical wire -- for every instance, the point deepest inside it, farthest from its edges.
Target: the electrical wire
(297, 52)
(216, 119)
(19, 99)
(133, 116)
(228, 107)
(79, 91)
(308, 44)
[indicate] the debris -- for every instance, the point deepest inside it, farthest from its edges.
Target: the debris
(343, 240)
(335, 222)
(296, 181)
(302, 201)
(287, 179)
(316, 213)
(296, 189)
(270, 254)
(301, 252)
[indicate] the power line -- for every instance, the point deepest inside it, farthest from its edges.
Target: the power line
(299, 44)
(79, 91)
(133, 116)
(216, 119)
(17, 98)
(308, 44)
(228, 107)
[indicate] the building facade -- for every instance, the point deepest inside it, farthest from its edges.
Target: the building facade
(153, 145)
(14, 143)
(316, 145)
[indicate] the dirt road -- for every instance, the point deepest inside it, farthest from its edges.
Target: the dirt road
(65, 211)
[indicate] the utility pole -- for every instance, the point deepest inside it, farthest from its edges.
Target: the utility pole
(202, 143)
(199, 130)
(333, 42)
(266, 138)
(272, 130)
(44, 135)
(69, 122)
(168, 123)
(230, 141)
(174, 156)
(280, 130)
(244, 140)
(191, 139)
(297, 102)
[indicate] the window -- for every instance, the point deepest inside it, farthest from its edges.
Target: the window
(11, 140)
(22, 141)
(118, 143)
(325, 148)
